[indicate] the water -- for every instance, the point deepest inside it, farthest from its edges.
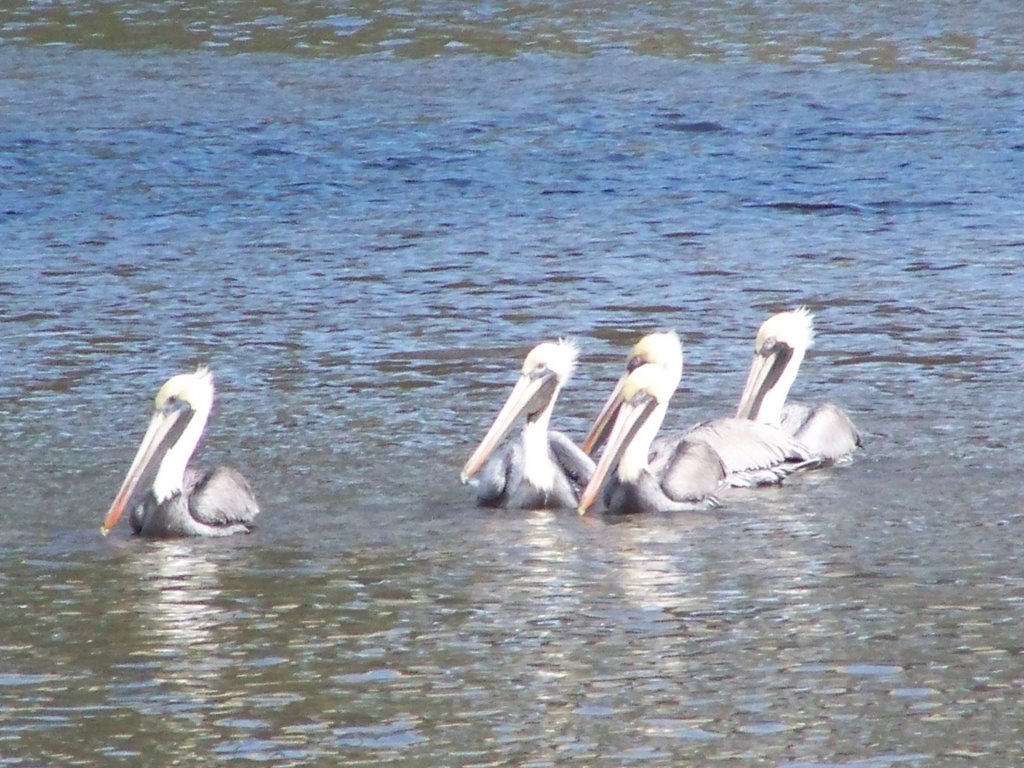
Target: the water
(362, 218)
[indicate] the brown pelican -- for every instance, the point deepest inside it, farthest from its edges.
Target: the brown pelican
(680, 474)
(752, 453)
(661, 349)
(782, 341)
(543, 469)
(168, 498)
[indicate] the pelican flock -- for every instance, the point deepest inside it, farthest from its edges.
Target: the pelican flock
(167, 498)
(638, 471)
(767, 440)
(751, 452)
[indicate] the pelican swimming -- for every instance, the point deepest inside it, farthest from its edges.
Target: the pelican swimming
(543, 469)
(662, 349)
(166, 497)
(680, 474)
(752, 453)
(782, 341)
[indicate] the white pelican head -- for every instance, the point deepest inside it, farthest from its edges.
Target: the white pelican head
(644, 395)
(662, 349)
(180, 412)
(782, 341)
(545, 371)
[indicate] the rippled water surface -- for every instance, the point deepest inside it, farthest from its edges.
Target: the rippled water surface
(361, 217)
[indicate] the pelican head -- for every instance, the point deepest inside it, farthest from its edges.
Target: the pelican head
(180, 411)
(545, 371)
(662, 349)
(782, 341)
(557, 357)
(644, 393)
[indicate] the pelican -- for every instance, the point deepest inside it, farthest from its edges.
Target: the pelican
(782, 341)
(680, 474)
(168, 498)
(661, 349)
(543, 469)
(752, 453)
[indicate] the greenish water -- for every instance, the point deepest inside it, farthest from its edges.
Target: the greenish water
(884, 35)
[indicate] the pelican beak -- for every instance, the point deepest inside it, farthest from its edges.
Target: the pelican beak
(164, 430)
(531, 394)
(631, 417)
(599, 432)
(765, 370)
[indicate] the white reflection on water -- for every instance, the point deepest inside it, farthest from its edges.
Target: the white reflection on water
(654, 567)
(179, 586)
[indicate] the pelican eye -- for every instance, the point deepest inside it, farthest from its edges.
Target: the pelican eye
(174, 403)
(634, 362)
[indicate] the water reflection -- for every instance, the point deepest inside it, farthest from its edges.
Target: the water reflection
(656, 564)
(178, 601)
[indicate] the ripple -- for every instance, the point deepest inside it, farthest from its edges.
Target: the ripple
(364, 253)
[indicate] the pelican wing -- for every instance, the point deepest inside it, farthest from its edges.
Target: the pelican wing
(137, 517)
(752, 453)
(496, 475)
(794, 416)
(220, 497)
(826, 431)
(693, 473)
(577, 466)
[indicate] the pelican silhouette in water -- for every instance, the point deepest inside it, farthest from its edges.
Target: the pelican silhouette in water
(676, 474)
(543, 469)
(168, 498)
(752, 453)
(782, 341)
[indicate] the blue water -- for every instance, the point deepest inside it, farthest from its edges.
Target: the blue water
(363, 244)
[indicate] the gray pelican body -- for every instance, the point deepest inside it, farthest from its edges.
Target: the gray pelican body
(782, 341)
(542, 469)
(677, 474)
(166, 497)
(752, 453)
(503, 481)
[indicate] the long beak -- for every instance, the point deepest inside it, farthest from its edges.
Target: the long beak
(599, 432)
(164, 430)
(765, 372)
(631, 417)
(531, 393)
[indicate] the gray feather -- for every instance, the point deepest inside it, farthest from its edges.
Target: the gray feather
(574, 463)
(693, 473)
(826, 430)
(220, 497)
(501, 482)
(752, 453)
(216, 502)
